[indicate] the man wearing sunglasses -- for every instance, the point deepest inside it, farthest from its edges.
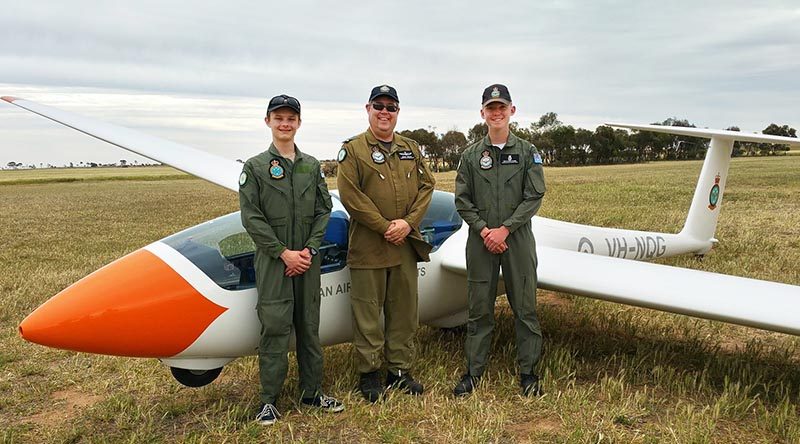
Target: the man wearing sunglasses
(499, 187)
(285, 208)
(386, 186)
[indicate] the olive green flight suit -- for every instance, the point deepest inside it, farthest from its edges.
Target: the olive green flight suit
(285, 205)
(376, 186)
(497, 187)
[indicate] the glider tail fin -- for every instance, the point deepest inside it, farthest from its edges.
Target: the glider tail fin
(701, 222)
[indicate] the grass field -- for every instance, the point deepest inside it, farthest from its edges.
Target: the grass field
(611, 373)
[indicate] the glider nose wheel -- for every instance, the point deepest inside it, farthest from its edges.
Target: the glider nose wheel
(195, 378)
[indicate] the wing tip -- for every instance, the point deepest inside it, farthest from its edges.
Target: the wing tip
(9, 99)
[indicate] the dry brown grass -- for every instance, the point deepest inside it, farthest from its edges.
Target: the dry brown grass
(612, 373)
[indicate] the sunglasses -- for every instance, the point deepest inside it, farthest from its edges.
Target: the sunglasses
(377, 106)
(284, 99)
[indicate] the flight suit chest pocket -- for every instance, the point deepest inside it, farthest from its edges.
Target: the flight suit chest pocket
(376, 181)
(306, 194)
(411, 176)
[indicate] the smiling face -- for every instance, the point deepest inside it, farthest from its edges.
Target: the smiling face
(284, 123)
(497, 114)
(382, 122)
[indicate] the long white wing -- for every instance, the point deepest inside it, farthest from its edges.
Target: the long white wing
(213, 168)
(751, 302)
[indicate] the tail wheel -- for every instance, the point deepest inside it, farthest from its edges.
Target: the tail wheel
(195, 378)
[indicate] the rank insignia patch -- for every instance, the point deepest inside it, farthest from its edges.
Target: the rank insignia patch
(377, 155)
(509, 159)
(342, 155)
(486, 160)
(275, 169)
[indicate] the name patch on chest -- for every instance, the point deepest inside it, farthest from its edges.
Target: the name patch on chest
(509, 159)
(405, 155)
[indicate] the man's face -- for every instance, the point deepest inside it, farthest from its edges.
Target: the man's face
(382, 122)
(284, 123)
(497, 114)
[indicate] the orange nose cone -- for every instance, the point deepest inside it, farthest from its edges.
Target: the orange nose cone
(135, 306)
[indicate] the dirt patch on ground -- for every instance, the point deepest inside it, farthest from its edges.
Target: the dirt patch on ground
(553, 299)
(65, 405)
(529, 430)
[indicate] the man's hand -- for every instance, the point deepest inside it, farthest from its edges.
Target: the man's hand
(297, 262)
(494, 239)
(397, 231)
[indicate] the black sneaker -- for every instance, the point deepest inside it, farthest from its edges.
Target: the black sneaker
(404, 382)
(530, 385)
(466, 385)
(370, 386)
(267, 415)
(324, 403)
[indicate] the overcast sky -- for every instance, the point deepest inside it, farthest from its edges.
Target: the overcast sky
(200, 73)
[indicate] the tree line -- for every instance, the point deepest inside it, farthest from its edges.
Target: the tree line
(565, 145)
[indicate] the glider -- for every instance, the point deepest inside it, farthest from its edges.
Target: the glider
(189, 299)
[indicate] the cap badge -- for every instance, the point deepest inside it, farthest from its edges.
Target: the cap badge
(275, 170)
(495, 93)
(486, 160)
(384, 89)
(377, 155)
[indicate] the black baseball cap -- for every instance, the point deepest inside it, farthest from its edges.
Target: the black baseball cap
(283, 101)
(383, 90)
(496, 93)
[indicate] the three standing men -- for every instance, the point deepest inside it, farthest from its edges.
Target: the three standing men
(285, 208)
(386, 186)
(499, 187)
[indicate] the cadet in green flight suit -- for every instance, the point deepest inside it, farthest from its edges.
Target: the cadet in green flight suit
(386, 187)
(285, 208)
(499, 187)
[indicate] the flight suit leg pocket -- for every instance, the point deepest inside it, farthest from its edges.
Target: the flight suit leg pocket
(276, 317)
(480, 305)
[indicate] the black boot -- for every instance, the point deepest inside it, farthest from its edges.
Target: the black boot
(530, 385)
(405, 382)
(466, 385)
(370, 386)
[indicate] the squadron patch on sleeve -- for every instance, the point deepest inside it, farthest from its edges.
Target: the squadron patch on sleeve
(537, 158)
(242, 179)
(342, 155)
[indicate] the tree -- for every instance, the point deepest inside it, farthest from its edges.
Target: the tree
(123, 162)
(477, 132)
(547, 121)
(453, 143)
(775, 130)
(428, 142)
(12, 164)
